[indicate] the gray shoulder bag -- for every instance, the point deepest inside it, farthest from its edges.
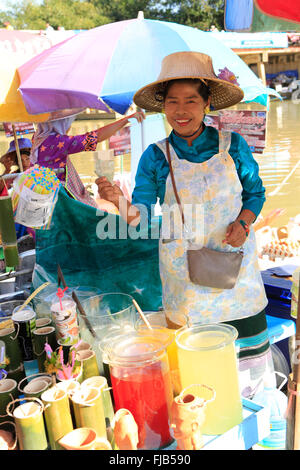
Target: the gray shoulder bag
(207, 267)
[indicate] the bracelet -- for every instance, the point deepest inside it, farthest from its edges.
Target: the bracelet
(245, 226)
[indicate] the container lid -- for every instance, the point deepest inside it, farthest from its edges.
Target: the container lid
(206, 337)
(23, 315)
(136, 346)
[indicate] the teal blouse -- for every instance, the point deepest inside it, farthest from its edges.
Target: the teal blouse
(153, 168)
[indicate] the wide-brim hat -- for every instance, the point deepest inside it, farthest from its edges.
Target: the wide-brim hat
(23, 143)
(195, 65)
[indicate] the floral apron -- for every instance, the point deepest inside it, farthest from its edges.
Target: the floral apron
(214, 191)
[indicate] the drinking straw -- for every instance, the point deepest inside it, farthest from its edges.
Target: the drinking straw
(60, 293)
(34, 293)
(141, 314)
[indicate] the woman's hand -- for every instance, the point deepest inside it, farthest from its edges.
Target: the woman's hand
(139, 116)
(235, 234)
(109, 192)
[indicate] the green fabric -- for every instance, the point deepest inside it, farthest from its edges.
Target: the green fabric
(253, 338)
(111, 265)
(261, 22)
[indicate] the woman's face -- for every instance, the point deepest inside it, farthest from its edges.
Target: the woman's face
(25, 161)
(184, 108)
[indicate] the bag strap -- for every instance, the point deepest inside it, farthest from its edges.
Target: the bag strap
(173, 180)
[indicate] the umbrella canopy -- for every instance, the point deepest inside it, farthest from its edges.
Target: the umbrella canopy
(16, 48)
(280, 9)
(113, 61)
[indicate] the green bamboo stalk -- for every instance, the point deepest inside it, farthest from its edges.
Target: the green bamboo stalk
(41, 336)
(11, 255)
(88, 410)
(89, 363)
(12, 348)
(7, 225)
(29, 423)
(57, 415)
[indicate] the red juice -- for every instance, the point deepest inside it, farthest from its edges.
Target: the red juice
(147, 393)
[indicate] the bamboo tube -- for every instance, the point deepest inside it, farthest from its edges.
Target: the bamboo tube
(41, 336)
(31, 379)
(29, 423)
(11, 255)
(8, 392)
(88, 409)
(70, 387)
(7, 225)
(57, 415)
(100, 383)
(42, 322)
(12, 348)
(89, 363)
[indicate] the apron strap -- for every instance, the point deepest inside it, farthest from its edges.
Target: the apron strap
(224, 141)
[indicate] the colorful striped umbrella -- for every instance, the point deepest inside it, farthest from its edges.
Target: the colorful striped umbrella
(111, 62)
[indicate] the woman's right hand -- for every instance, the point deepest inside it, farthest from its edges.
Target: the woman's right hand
(109, 192)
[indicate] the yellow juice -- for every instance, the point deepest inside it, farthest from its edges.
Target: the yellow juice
(206, 355)
(156, 320)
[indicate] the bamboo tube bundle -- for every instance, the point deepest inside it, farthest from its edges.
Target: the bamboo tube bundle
(88, 410)
(89, 363)
(29, 423)
(42, 336)
(57, 415)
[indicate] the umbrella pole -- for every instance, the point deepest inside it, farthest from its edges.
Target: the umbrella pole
(17, 149)
(293, 412)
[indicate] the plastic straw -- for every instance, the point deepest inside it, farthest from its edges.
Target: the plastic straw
(141, 313)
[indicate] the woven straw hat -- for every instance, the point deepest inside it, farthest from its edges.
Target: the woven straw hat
(188, 64)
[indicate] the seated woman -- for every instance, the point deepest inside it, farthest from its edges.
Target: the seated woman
(10, 164)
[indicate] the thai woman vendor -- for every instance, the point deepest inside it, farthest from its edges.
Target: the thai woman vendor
(218, 173)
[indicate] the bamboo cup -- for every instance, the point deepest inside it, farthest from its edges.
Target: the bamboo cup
(88, 409)
(42, 322)
(70, 387)
(31, 381)
(84, 439)
(41, 336)
(100, 383)
(8, 392)
(29, 423)
(12, 347)
(57, 415)
(89, 363)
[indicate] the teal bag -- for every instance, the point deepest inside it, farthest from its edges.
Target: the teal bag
(116, 263)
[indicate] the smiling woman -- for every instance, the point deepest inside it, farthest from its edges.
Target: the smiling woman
(216, 179)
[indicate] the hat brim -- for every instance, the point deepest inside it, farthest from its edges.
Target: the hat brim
(223, 94)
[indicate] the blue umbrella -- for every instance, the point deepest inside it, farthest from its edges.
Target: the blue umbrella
(110, 63)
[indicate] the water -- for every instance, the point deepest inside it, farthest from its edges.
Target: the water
(279, 161)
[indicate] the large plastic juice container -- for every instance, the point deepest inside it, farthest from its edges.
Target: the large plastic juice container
(141, 383)
(206, 355)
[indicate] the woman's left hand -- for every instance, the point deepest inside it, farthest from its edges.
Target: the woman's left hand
(235, 234)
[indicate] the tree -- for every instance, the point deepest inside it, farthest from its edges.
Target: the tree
(197, 13)
(71, 14)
